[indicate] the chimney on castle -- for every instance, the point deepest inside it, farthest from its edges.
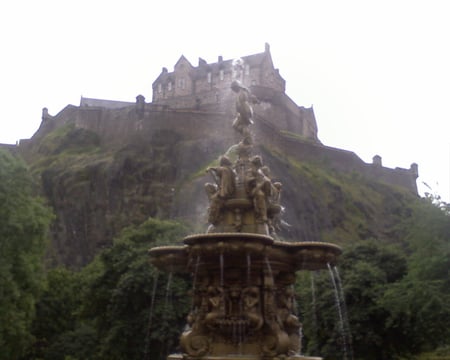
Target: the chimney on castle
(267, 48)
(376, 160)
(220, 59)
(45, 115)
(414, 168)
(140, 105)
(164, 70)
(140, 99)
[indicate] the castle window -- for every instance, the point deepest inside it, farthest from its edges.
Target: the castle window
(253, 82)
(221, 74)
(159, 88)
(209, 77)
(247, 69)
(181, 83)
(169, 86)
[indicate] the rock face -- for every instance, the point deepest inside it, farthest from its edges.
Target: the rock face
(96, 192)
(98, 183)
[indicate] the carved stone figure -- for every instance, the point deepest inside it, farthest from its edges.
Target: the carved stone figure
(259, 188)
(288, 321)
(222, 190)
(244, 117)
(216, 304)
(250, 300)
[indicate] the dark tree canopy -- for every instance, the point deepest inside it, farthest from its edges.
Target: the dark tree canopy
(23, 237)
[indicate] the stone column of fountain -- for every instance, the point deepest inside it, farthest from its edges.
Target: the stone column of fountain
(243, 298)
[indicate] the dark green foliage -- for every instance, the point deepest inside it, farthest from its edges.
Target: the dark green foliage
(366, 268)
(57, 313)
(73, 344)
(397, 298)
(119, 296)
(23, 235)
(103, 312)
(420, 303)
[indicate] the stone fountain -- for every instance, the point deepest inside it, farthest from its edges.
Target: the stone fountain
(243, 300)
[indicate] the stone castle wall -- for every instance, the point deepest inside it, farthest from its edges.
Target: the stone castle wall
(119, 127)
(337, 159)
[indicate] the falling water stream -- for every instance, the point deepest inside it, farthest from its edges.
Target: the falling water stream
(269, 268)
(168, 288)
(231, 153)
(221, 270)
(150, 315)
(194, 280)
(314, 308)
(346, 324)
(339, 309)
(165, 351)
(249, 269)
(295, 310)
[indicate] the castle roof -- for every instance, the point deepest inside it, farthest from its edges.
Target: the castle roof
(203, 67)
(108, 104)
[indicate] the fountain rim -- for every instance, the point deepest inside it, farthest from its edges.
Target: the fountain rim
(224, 236)
(268, 240)
(167, 248)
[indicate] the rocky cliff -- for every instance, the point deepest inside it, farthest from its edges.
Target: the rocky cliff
(97, 182)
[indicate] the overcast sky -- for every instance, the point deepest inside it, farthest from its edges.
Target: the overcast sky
(376, 72)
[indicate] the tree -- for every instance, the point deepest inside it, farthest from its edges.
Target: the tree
(367, 268)
(419, 304)
(57, 316)
(398, 297)
(120, 292)
(24, 221)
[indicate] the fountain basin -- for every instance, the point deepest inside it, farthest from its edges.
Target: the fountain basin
(169, 258)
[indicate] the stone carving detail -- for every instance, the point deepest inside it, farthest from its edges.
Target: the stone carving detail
(243, 198)
(244, 110)
(260, 312)
(287, 320)
(222, 190)
(252, 307)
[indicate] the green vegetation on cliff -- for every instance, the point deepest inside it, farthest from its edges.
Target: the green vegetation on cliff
(323, 204)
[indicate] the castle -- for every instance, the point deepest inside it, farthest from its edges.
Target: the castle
(208, 86)
(194, 101)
